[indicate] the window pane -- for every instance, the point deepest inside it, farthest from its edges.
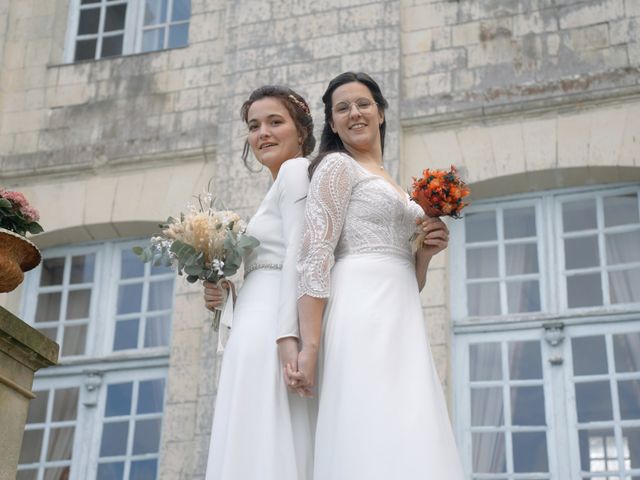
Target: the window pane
(519, 222)
(48, 309)
(584, 290)
(75, 339)
(480, 227)
(143, 470)
(597, 446)
(38, 407)
(114, 439)
(84, 2)
(153, 40)
(126, 334)
(147, 436)
(60, 443)
(115, 17)
(155, 12)
(579, 215)
(82, 268)
(482, 262)
(27, 475)
(487, 407)
(483, 299)
(111, 46)
(179, 35)
(589, 355)
(89, 22)
(181, 10)
(530, 452)
(525, 360)
(157, 331)
(57, 473)
(485, 361)
(527, 406)
(523, 297)
(593, 401)
(624, 286)
(119, 399)
(85, 50)
(31, 446)
(160, 269)
(110, 471)
(629, 395)
(522, 259)
(488, 452)
(626, 349)
(78, 304)
(581, 252)
(160, 295)
(631, 439)
(129, 298)
(52, 271)
(621, 210)
(151, 396)
(623, 247)
(130, 265)
(65, 404)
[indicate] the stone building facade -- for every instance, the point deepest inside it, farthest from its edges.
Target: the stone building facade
(536, 101)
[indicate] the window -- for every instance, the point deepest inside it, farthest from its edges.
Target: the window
(107, 28)
(99, 413)
(547, 335)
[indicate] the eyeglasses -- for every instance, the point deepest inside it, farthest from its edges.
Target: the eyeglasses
(364, 105)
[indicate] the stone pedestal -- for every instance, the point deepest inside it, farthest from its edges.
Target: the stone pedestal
(23, 350)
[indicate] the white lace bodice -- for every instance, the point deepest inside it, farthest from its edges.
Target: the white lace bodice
(350, 210)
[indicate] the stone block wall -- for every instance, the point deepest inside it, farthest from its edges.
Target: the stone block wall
(467, 54)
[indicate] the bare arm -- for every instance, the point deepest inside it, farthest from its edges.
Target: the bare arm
(436, 239)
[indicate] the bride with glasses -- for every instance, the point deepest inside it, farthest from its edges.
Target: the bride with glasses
(382, 413)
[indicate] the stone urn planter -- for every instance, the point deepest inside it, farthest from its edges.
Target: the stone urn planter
(17, 255)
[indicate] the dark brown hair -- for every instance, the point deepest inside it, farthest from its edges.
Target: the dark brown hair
(297, 107)
(330, 141)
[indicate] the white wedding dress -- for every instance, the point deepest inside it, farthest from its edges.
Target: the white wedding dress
(260, 431)
(382, 413)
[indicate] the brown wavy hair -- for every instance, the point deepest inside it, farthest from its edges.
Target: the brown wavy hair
(297, 107)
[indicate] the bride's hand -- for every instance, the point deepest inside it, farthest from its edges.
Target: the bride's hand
(213, 294)
(436, 237)
(288, 353)
(305, 377)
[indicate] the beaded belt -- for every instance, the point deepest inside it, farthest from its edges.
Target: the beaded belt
(266, 266)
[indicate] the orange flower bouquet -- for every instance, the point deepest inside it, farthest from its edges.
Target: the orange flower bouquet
(440, 193)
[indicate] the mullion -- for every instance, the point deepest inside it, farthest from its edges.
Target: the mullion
(602, 251)
(146, 285)
(103, 14)
(132, 423)
(615, 402)
(502, 268)
(506, 399)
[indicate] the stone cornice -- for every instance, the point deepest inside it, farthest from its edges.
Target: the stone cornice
(25, 344)
(103, 166)
(491, 113)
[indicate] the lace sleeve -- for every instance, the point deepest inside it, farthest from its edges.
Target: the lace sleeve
(327, 202)
(293, 183)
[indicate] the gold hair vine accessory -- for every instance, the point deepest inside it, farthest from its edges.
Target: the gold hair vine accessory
(300, 104)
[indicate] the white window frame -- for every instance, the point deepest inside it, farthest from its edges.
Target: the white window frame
(133, 29)
(550, 257)
(100, 365)
(603, 319)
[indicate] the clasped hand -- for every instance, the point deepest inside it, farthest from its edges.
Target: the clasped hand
(436, 236)
(299, 367)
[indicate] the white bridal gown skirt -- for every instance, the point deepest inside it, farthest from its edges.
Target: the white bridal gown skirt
(260, 431)
(382, 413)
